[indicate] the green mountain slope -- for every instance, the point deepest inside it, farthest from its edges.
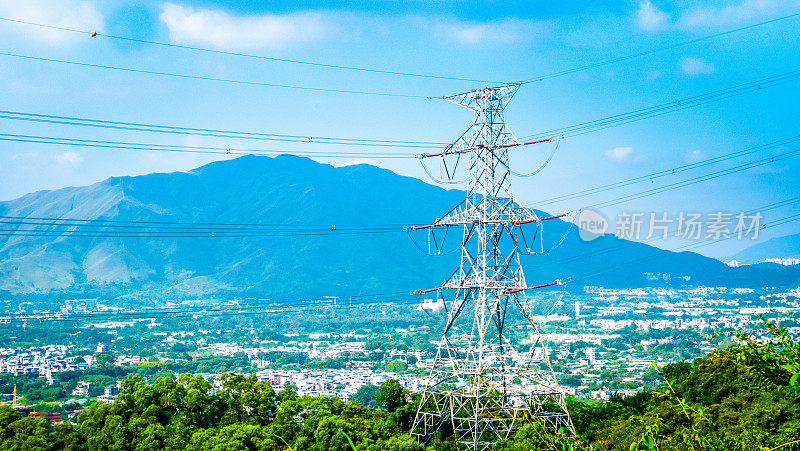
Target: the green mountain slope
(293, 190)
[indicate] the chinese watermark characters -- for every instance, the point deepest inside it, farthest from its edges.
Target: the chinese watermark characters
(716, 225)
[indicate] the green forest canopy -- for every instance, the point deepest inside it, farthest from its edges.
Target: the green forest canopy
(746, 397)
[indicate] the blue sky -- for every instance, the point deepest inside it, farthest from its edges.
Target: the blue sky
(501, 40)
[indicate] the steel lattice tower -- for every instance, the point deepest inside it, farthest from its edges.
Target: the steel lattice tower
(480, 384)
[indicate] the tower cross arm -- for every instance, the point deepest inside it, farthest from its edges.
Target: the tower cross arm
(544, 285)
(529, 220)
(537, 141)
(452, 149)
(461, 218)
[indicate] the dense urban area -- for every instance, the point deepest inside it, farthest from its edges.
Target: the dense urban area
(601, 343)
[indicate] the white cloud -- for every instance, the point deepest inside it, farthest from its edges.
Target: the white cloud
(695, 156)
(224, 31)
(619, 154)
(75, 14)
(503, 31)
(745, 10)
(696, 66)
(69, 157)
(650, 18)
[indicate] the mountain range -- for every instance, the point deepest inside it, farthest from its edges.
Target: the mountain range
(774, 248)
(289, 190)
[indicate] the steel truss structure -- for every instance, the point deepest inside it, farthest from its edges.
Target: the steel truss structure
(480, 386)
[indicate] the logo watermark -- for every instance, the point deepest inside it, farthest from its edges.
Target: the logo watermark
(718, 225)
(591, 224)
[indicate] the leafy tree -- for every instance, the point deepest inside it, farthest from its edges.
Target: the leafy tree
(572, 379)
(288, 393)
(366, 395)
(247, 400)
(104, 359)
(744, 397)
(396, 366)
(391, 395)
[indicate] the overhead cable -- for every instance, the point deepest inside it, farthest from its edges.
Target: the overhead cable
(655, 50)
(97, 144)
(209, 78)
(665, 108)
(581, 68)
(95, 34)
(667, 172)
(216, 133)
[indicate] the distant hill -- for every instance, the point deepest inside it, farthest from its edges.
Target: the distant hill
(781, 247)
(294, 190)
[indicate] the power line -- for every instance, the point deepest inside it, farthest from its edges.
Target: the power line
(91, 33)
(569, 131)
(399, 297)
(19, 226)
(163, 229)
(653, 51)
(668, 172)
(686, 182)
(622, 245)
(251, 308)
(217, 235)
(185, 233)
(698, 179)
(664, 108)
(65, 226)
(776, 223)
(103, 221)
(574, 130)
(217, 133)
(208, 78)
(682, 184)
(87, 143)
(64, 223)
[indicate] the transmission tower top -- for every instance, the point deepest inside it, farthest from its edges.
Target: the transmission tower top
(488, 128)
(485, 99)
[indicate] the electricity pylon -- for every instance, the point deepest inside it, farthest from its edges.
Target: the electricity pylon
(480, 384)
